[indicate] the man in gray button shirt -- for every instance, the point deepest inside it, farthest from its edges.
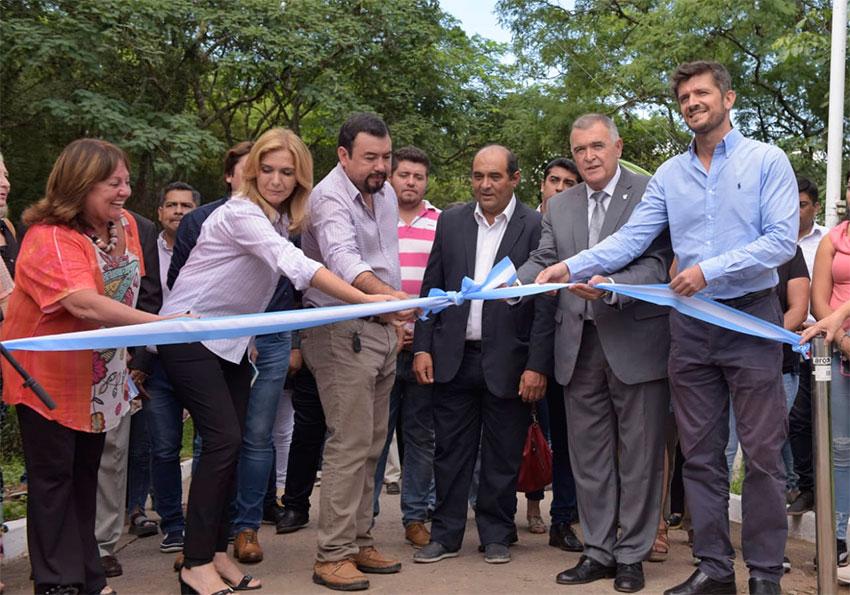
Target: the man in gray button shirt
(353, 231)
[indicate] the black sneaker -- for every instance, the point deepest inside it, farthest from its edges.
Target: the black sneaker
(802, 504)
(172, 542)
(786, 565)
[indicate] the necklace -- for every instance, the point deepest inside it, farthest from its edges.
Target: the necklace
(113, 238)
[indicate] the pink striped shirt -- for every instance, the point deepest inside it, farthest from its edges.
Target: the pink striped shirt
(414, 246)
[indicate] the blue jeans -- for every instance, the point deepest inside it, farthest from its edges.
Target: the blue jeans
(791, 382)
(164, 417)
(138, 463)
(840, 413)
(256, 457)
(415, 403)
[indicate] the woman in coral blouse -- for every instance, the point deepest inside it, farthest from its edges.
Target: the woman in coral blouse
(79, 268)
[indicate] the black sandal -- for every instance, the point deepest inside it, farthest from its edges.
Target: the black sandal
(142, 526)
(244, 584)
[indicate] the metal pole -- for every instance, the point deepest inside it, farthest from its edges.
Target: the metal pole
(822, 438)
(837, 66)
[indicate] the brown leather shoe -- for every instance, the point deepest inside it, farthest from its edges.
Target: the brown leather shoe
(340, 575)
(246, 548)
(417, 535)
(368, 559)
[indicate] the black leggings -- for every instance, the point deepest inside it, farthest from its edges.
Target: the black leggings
(215, 393)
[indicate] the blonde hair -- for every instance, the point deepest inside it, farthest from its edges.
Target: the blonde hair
(295, 206)
(80, 166)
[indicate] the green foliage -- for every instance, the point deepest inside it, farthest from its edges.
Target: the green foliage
(615, 56)
(174, 83)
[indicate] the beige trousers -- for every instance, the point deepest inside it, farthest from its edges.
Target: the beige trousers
(354, 388)
(112, 488)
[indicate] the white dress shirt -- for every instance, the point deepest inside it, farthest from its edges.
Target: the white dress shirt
(235, 267)
(809, 244)
(165, 254)
(486, 247)
(609, 192)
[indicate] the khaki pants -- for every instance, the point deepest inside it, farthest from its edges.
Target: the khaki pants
(354, 389)
(112, 487)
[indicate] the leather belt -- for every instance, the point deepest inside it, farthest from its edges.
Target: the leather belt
(747, 298)
(473, 345)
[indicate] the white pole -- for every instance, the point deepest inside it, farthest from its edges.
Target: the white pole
(836, 110)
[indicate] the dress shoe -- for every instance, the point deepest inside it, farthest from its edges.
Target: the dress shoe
(292, 520)
(700, 583)
(762, 586)
(340, 575)
(433, 552)
(586, 571)
(496, 553)
(368, 559)
(111, 566)
(561, 535)
(629, 578)
(802, 504)
(246, 547)
(416, 534)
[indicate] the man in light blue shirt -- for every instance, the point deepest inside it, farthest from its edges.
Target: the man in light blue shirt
(731, 205)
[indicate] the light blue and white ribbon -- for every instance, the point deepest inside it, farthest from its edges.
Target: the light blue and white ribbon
(712, 312)
(186, 330)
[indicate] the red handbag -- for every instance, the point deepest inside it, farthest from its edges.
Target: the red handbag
(535, 473)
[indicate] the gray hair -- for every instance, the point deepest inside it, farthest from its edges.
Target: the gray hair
(588, 120)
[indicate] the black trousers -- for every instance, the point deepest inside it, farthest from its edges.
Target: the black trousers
(62, 469)
(215, 392)
(466, 415)
(800, 429)
(308, 437)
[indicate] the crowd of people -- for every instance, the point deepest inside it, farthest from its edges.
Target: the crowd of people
(455, 393)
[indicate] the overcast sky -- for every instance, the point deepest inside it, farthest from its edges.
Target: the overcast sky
(477, 16)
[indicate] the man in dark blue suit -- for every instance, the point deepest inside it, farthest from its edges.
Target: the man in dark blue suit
(487, 360)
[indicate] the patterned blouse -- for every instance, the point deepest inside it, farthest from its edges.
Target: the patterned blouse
(89, 387)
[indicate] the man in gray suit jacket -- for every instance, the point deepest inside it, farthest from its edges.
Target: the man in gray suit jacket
(611, 358)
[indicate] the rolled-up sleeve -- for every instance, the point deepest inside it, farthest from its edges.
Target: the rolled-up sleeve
(336, 235)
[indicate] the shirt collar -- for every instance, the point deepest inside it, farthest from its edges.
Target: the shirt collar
(609, 187)
(162, 243)
(726, 145)
(350, 189)
(504, 215)
(815, 230)
(425, 207)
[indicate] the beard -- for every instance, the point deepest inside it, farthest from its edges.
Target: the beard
(372, 183)
(712, 121)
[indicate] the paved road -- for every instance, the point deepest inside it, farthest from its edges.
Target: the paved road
(287, 567)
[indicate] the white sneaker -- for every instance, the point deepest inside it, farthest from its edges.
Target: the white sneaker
(844, 575)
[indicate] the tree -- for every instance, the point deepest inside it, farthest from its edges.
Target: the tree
(174, 83)
(615, 56)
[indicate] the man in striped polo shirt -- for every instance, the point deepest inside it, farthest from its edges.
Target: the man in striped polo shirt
(410, 403)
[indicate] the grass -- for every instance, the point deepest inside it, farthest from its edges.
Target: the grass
(12, 466)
